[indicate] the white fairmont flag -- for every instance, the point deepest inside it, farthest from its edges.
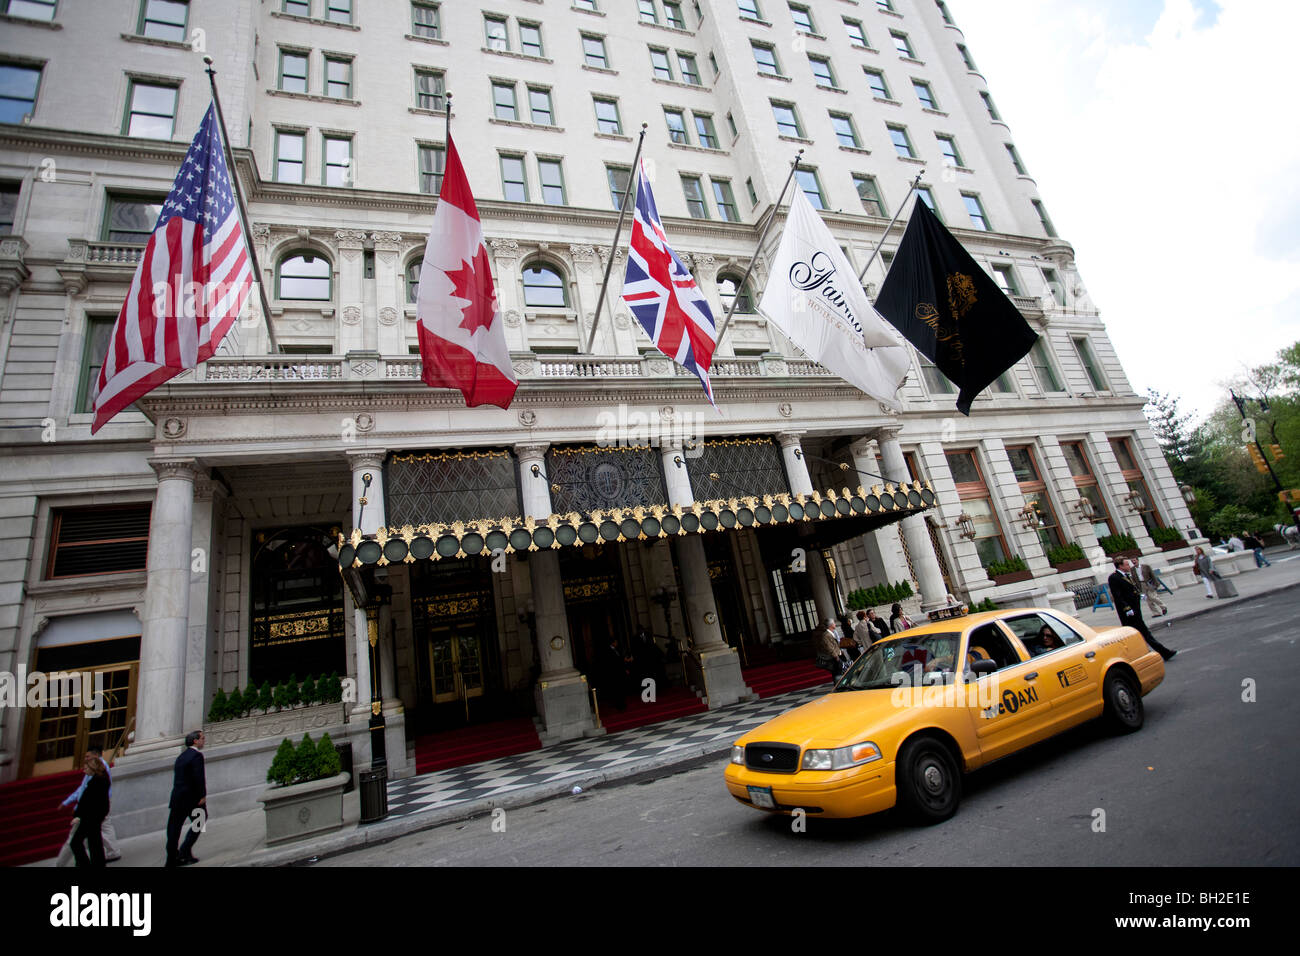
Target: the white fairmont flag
(813, 296)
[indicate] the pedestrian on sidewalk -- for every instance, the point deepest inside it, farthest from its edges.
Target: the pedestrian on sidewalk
(92, 810)
(826, 647)
(880, 626)
(1252, 541)
(898, 621)
(1129, 606)
(1144, 580)
(1205, 566)
(108, 836)
(863, 632)
(189, 793)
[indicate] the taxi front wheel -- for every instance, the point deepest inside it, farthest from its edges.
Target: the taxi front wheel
(1124, 711)
(928, 781)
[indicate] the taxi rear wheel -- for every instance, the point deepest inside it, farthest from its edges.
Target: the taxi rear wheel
(1124, 710)
(928, 780)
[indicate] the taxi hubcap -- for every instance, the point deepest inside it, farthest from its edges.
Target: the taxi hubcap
(933, 778)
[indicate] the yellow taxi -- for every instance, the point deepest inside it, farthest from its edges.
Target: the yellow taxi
(919, 709)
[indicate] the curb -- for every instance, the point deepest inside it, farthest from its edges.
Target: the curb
(1220, 604)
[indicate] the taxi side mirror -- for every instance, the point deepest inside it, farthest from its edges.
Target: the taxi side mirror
(982, 667)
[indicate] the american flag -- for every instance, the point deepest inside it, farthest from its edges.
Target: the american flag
(662, 295)
(190, 286)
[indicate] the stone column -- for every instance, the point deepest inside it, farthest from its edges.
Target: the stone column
(562, 695)
(368, 516)
(390, 293)
(924, 560)
(719, 663)
(165, 623)
(884, 552)
(796, 470)
(356, 330)
(209, 498)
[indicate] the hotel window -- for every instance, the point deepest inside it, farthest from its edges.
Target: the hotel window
(1042, 218)
(690, 72)
(514, 185)
(966, 57)
(976, 211)
(727, 286)
(902, 44)
(619, 177)
(673, 14)
(902, 144)
(694, 192)
(1041, 363)
(530, 39)
(925, 95)
(749, 8)
(293, 72)
(496, 34)
(1054, 286)
(1006, 279)
(338, 77)
(550, 174)
(130, 218)
(429, 90)
(750, 191)
(338, 11)
(885, 5)
(432, 160)
(647, 11)
(544, 287)
(713, 65)
(337, 166)
(731, 125)
(787, 121)
(1015, 160)
(426, 21)
(802, 18)
(976, 502)
(290, 156)
(99, 332)
(1086, 482)
(1089, 362)
(812, 188)
(857, 36)
(948, 146)
(927, 197)
(1025, 467)
(299, 8)
(676, 121)
(765, 58)
(725, 200)
(704, 131)
(151, 110)
(1003, 384)
(869, 192)
(503, 101)
(822, 71)
(1139, 496)
(412, 284)
(593, 51)
(876, 80)
(539, 106)
(988, 105)
(98, 540)
(8, 207)
(31, 9)
(162, 20)
(936, 383)
(303, 275)
(659, 63)
(844, 131)
(586, 5)
(607, 117)
(943, 11)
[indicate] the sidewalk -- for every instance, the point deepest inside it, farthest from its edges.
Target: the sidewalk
(420, 803)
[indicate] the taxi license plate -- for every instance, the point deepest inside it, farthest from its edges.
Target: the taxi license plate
(762, 797)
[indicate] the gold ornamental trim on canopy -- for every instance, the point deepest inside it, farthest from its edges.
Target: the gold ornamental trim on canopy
(460, 539)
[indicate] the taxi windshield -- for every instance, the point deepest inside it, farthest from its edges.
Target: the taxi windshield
(905, 660)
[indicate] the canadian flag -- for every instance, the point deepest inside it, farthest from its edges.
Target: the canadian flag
(462, 339)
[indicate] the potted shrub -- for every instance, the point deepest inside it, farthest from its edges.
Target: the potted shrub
(306, 796)
(1009, 571)
(1119, 546)
(1068, 557)
(1169, 539)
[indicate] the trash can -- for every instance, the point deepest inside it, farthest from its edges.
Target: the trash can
(374, 795)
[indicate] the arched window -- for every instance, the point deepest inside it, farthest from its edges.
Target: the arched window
(544, 287)
(727, 285)
(413, 279)
(304, 275)
(296, 626)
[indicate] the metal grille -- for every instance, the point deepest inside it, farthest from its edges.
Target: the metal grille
(99, 540)
(773, 758)
(744, 466)
(587, 478)
(452, 486)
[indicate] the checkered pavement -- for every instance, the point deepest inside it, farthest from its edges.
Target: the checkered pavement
(579, 758)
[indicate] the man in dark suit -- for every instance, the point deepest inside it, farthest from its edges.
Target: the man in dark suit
(1129, 605)
(189, 792)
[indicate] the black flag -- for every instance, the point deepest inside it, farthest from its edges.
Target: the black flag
(949, 308)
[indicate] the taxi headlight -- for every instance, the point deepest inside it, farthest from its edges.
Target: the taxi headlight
(841, 758)
(738, 754)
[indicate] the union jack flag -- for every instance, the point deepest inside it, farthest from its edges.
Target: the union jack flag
(662, 295)
(192, 281)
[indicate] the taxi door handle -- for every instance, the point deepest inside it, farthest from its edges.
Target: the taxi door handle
(1090, 655)
(1031, 676)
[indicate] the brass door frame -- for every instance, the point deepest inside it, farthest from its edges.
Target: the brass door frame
(27, 765)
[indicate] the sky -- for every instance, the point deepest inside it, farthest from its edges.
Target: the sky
(1164, 136)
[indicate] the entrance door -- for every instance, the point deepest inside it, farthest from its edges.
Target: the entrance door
(596, 606)
(84, 709)
(455, 665)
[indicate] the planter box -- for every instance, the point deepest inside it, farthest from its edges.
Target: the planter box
(1013, 577)
(304, 809)
(1173, 545)
(1129, 553)
(1078, 564)
(293, 722)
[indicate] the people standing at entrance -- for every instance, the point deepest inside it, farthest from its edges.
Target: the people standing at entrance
(1129, 605)
(881, 627)
(647, 661)
(92, 810)
(863, 632)
(1257, 546)
(1144, 579)
(107, 835)
(826, 647)
(189, 792)
(898, 621)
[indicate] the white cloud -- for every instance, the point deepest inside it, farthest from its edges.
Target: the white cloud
(1168, 153)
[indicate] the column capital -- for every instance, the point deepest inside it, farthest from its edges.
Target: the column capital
(789, 439)
(207, 488)
(887, 433)
(366, 459)
(532, 451)
(861, 447)
(186, 469)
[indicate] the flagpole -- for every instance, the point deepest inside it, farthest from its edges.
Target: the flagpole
(752, 259)
(903, 205)
(447, 133)
(618, 231)
(239, 202)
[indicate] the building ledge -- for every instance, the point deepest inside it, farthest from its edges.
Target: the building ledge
(312, 98)
(315, 21)
(155, 41)
(436, 41)
(516, 56)
(29, 22)
(520, 124)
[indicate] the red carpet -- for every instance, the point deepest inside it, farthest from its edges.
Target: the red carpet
(769, 680)
(672, 703)
(457, 748)
(32, 826)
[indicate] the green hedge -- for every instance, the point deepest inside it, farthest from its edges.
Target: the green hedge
(1067, 552)
(984, 605)
(1011, 564)
(1115, 543)
(880, 594)
(259, 700)
(1165, 535)
(310, 760)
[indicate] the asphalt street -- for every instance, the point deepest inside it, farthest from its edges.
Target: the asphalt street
(1211, 779)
